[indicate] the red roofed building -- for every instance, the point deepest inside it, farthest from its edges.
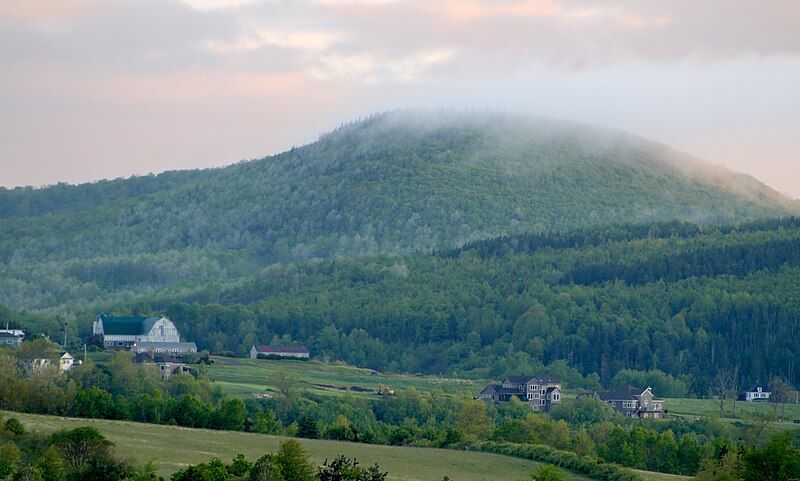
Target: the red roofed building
(279, 351)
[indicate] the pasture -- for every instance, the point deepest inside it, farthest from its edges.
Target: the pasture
(172, 447)
(244, 377)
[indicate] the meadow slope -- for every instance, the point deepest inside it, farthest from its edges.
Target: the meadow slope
(172, 447)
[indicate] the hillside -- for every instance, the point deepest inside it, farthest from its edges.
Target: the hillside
(172, 447)
(672, 297)
(393, 183)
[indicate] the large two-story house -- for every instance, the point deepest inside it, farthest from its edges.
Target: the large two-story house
(541, 393)
(634, 402)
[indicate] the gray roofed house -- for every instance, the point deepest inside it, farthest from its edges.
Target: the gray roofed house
(634, 402)
(538, 392)
(10, 339)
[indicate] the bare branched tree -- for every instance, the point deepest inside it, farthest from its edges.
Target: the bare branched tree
(288, 389)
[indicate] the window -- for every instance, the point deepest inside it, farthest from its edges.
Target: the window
(530, 396)
(542, 402)
(555, 397)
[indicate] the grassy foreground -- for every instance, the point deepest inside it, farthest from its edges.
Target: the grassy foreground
(172, 447)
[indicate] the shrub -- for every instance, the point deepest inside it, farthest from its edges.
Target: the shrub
(585, 465)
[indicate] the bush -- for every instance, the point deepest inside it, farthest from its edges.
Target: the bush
(15, 427)
(585, 465)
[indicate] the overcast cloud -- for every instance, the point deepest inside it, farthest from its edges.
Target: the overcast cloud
(106, 88)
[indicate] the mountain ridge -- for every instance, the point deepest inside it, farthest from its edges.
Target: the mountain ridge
(392, 183)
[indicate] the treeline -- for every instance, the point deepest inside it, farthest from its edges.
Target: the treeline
(737, 260)
(118, 389)
(289, 463)
(576, 239)
(531, 242)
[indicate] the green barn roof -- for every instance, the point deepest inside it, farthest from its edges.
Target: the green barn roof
(127, 325)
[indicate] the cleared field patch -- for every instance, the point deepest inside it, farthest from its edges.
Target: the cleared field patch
(248, 376)
(707, 407)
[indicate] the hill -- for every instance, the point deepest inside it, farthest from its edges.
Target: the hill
(172, 448)
(393, 183)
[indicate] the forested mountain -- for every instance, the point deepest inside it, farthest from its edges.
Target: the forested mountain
(393, 183)
(331, 244)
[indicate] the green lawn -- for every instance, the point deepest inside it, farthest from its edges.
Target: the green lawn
(247, 376)
(744, 410)
(172, 447)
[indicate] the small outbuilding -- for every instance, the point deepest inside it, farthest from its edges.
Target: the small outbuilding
(299, 352)
(66, 361)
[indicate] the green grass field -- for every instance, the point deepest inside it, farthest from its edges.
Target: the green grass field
(705, 407)
(244, 377)
(744, 410)
(172, 447)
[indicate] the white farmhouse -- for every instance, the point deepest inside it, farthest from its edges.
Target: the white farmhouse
(756, 394)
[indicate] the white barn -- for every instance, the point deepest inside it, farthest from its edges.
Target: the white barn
(124, 332)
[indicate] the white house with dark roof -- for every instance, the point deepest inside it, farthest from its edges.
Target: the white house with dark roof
(756, 394)
(541, 393)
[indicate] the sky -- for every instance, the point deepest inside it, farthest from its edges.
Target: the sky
(93, 89)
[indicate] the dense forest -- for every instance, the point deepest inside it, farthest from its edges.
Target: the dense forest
(394, 183)
(583, 305)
